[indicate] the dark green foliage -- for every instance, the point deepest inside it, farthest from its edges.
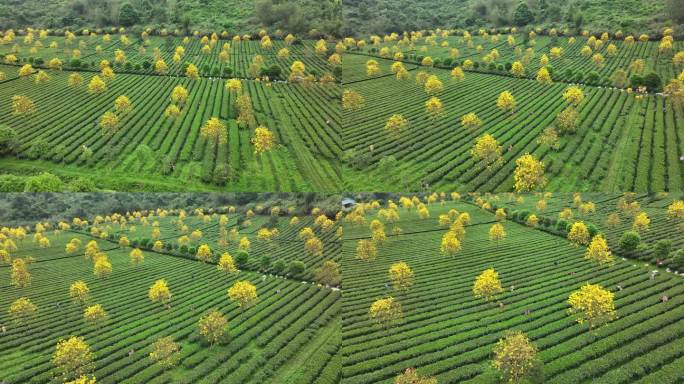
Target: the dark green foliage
(296, 267)
(45, 182)
(128, 15)
(39, 148)
(8, 139)
(678, 259)
(265, 262)
(652, 82)
(12, 183)
(522, 15)
(662, 248)
(279, 266)
(222, 174)
(272, 72)
(82, 184)
(630, 240)
(241, 258)
(356, 159)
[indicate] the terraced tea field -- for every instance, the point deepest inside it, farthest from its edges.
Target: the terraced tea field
(148, 150)
(291, 334)
(447, 333)
(661, 226)
(623, 140)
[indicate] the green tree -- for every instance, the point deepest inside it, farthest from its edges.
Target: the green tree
(522, 15)
(296, 267)
(630, 240)
(128, 15)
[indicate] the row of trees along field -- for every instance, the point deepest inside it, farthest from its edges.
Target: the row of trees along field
(202, 129)
(543, 123)
(442, 291)
(208, 302)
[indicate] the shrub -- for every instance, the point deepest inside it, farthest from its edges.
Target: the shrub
(265, 261)
(8, 139)
(630, 240)
(562, 226)
(592, 229)
(222, 174)
(279, 266)
(82, 184)
(296, 267)
(39, 148)
(678, 260)
(241, 258)
(273, 71)
(12, 183)
(45, 182)
(662, 249)
(652, 82)
(592, 77)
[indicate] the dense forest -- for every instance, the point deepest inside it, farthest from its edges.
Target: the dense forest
(384, 16)
(296, 16)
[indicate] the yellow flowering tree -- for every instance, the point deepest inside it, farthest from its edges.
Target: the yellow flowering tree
(204, 253)
(22, 310)
(95, 315)
(20, 276)
(109, 123)
(641, 222)
(579, 233)
(96, 85)
(136, 256)
(244, 294)
(514, 356)
(471, 121)
(79, 292)
(528, 174)
(592, 304)
(226, 264)
(214, 129)
(366, 250)
(22, 106)
(159, 292)
(165, 352)
(352, 100)
(263, 140)
(396, 125)
(487, 285)
(505, 101)
(497, 233)
(72, 358)
(487, 151)
(598, 251)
